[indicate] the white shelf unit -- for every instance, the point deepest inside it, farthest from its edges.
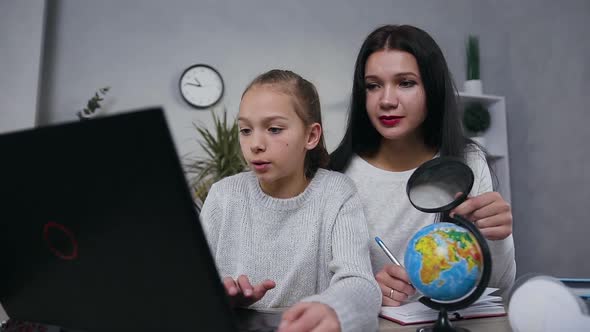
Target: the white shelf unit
(496, 138)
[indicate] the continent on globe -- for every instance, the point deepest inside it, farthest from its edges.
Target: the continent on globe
(438, 257)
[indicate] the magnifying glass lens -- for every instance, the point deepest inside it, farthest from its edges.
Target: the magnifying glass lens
(439, 185)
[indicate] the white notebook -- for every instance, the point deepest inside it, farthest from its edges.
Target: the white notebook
(416, 312)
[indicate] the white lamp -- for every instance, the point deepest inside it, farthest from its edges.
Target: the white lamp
(540, 303)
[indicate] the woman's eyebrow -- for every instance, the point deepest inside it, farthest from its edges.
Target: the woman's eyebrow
(407, 73)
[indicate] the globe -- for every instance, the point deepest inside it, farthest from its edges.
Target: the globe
(444, 261)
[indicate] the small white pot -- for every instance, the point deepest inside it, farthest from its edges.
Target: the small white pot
(473, 87)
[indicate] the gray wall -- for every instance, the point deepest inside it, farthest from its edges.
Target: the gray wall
(21, 31)
(140, 48)
(539, 58)
(534, 53)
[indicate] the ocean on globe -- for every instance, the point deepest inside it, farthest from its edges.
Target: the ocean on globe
(444, 262)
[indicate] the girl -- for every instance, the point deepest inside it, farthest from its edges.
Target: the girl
(289, 233)
(403, 113)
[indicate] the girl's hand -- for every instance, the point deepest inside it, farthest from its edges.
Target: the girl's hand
(242, 293)
(309, 316)
(490, 213)
(395, 285)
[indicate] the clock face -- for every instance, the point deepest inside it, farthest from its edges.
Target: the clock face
(201, 86)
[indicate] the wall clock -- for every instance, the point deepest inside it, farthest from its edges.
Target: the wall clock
(201, 86)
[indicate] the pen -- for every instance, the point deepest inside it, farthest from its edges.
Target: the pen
(390, 255)
(387, 252)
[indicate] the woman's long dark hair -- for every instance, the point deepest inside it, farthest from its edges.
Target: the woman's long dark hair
(441, 128)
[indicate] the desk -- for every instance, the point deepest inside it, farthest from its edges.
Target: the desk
(492, 324)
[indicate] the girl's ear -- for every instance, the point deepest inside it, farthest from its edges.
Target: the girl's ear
(314, 135)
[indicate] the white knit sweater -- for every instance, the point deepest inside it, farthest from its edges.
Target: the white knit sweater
(315, 246)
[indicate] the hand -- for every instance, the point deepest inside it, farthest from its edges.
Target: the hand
(309, 316)
(242, 293)
(193, 84)
(395, 285)
(490, 213)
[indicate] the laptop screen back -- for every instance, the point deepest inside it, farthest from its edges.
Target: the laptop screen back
(99, 232)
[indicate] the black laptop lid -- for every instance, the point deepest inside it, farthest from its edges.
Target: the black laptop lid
(99, 233)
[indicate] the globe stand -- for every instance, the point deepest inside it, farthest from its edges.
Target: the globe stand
(442, 324)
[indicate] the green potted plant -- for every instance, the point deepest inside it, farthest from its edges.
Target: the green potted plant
(223, 156)
(473, 82)
(476, 121)
(93, 107)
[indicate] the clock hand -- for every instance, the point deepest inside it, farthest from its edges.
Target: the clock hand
(193, 84)
(196, 80)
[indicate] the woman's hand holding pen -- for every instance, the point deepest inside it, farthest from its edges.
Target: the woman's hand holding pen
(395, 285)
(242, 293)
(490, 213)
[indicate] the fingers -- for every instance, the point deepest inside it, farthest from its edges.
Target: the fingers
(474, 203)
(394, 291)
(242, 291)
(268, 284)
(491, 214)
(391, 297)
(497, 233)
(495, 220)
(230, 286)
(291, 315)
(492, 209)
(327, 325)
(395, 285)
(497, 227)
(260, 290)
(309, 317)
(245, 285)
(397, 272)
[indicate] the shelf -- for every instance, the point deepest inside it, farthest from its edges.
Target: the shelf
(486, 100)
(494, 157)
(496, 138)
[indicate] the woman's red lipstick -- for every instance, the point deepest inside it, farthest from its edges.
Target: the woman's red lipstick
(390, 120)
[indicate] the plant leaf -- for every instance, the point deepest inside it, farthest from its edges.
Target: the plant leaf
(223, 156)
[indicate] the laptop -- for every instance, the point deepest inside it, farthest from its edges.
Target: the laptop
(99, 231)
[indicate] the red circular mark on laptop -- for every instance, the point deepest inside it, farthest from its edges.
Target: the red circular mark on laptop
(60, 240)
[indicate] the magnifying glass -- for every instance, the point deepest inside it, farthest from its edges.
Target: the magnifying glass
(440, 185)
